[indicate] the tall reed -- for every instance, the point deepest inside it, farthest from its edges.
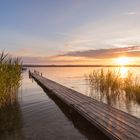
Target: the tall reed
(112, 86)
(10, 77)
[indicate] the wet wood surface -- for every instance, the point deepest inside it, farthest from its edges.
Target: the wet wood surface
(116, 124)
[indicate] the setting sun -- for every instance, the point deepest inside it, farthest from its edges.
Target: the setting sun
(123, 61)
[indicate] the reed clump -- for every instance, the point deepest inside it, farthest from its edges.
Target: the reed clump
(10, 77)
(112, 86)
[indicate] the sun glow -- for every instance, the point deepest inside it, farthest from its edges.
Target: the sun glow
(123, 72)
(123, 61)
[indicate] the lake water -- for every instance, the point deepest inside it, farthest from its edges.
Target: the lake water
(38, 117)
(74, 77)
(44, 119)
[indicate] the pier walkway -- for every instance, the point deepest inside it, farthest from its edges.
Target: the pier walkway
(117, 125)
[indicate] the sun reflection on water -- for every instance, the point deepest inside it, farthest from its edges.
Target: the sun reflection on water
(123, 72)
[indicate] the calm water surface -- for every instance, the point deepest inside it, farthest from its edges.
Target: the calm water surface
(45, 119)
(38, 117)
(74, 77)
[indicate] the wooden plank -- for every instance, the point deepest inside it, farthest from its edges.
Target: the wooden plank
(113, 122)
(75, 95)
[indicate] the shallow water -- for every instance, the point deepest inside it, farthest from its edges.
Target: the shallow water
(48, 120)
(41, 118)
(74, 77)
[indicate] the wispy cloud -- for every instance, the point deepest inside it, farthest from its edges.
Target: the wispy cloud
(53, 60)
(98, 56)
(107, 53)
(131, 13)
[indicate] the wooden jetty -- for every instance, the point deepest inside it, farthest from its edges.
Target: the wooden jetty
(116, 124)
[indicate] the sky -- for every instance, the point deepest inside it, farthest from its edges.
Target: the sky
(70, 31)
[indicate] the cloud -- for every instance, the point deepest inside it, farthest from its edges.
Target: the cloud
(51, 60)
(131, 13)
(133, 51)
(98, 56)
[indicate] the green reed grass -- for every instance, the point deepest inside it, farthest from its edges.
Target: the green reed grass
(111, 85)
(10, 77)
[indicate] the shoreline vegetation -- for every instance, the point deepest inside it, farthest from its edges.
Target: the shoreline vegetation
(10, 81)
(113, 87)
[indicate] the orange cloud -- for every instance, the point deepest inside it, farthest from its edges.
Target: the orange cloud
(100, 56)
(107, 53)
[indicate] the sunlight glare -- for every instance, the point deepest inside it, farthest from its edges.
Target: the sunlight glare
(123, 72)
(123, 60)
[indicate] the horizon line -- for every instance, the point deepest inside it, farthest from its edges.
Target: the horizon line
(42, 65)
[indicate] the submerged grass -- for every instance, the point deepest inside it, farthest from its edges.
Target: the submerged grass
(112, 86)
(10, 77)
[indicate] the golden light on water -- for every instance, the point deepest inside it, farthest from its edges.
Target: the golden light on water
(123, 72)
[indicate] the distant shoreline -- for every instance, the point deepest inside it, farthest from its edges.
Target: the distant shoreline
(28, 65)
